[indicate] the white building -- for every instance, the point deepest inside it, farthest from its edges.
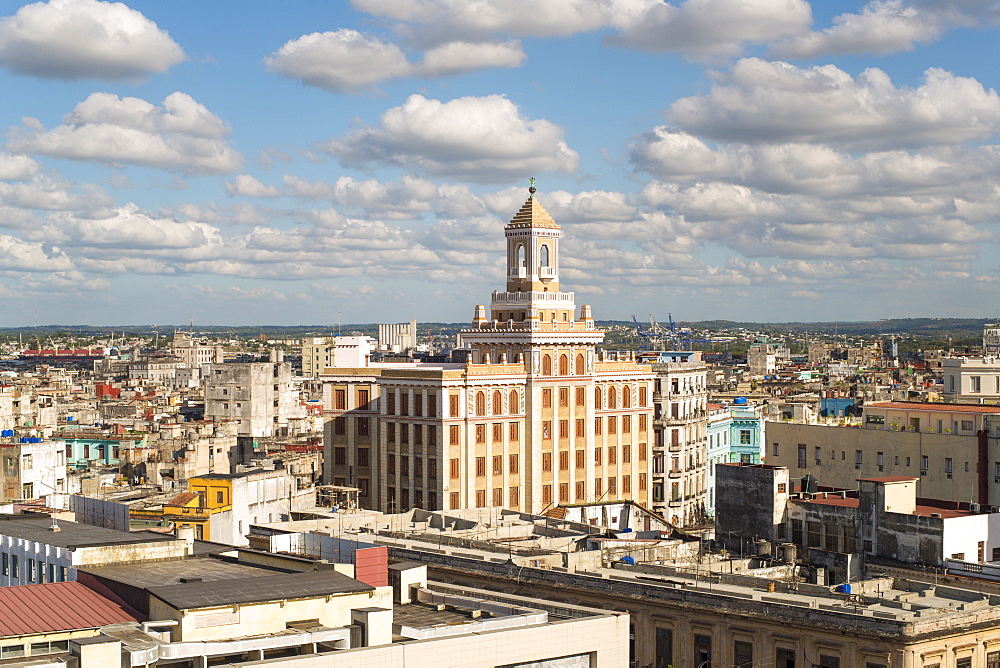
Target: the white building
(193, 352)
(397, 338)
(319, 353)
(971, 379)
(36, 548)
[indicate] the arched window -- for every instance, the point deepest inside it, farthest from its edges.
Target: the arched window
(515, 405)
(520, 256)
(543, 256)
(612, 397)
(497, 402)
(580, 365)
(480, 403)
(563, 365)
(626, 397)
(597, 398)
(546, 365)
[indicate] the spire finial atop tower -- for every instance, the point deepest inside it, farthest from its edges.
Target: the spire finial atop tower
(531, 187)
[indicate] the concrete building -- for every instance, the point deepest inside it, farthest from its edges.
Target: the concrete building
(953, 449)
(258, 396)
(991, 339)
(735, 433)
(762, 359)
(220, 507)
(680, 424)
(318, 353)
(194, 352)
(838, 532)
(37, 548)
(397, 338)
(537, 418)
(971, 380)
(32, 467)
(696, 612)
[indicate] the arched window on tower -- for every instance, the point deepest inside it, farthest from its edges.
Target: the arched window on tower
(515, 405)
(612, 397)
(543, 256)
(519, 255)
(497, 402)
(563, 365)
(580, 365)
(597, 398)
(480, 403)
(626, 397)
(546, 365)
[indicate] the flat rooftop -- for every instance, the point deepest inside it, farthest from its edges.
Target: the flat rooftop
(935, 407)
(204, 582)
(924, 508)
(72, 535)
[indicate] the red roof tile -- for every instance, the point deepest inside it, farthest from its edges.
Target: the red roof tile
(57, 606)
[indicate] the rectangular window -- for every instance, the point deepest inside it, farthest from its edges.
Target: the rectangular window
(626, 453)
(563, 428)
(924, 463)
(598, 488)
(547, 494)
(339, 426)
(340, 400)
(480, 498)
(453, 469)
(514, 435)
(626, 484)
(340, 456)
(580, 396)
(547, 398)
(497, 432)
(362, 425)
(497, 464)
(702, 650)
(453, 405)
(219, 496)
(391, 464)
(547, 430)
(967, 425)
(642, 482)
(480, 467)
(580, 428)
(453, 434)
(613, 486)
(802, 455)
(498, 496)
(564, 396)
(626, 424)
(742, 654)
(363, 398)
(546, 461)
(512, 463)
(581, 459)
(581, 491)
(597, 426)
(404, 464)
(453, 500)
(5, 563)
(612, 424)
(642, 422)
(418, 404)
(664, 655)
(514, 497)
(480, 433)
(598, 455)
(642, 452)
(563, 461)
(363, 457)
(948, 465)
(774, 449)
(612, 455)
(563, 492)
(643, 396)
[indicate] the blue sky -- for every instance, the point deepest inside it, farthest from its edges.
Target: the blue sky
(289, 162)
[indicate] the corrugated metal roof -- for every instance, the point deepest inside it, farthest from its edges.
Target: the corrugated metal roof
(57, 606)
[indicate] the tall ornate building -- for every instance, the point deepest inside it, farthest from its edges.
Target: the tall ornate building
(537, 418)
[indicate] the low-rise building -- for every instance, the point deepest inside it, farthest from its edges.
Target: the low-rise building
(36, 548)
(735, 434)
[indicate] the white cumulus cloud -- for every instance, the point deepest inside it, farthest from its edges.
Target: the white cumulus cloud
(760, 101)
(483, 139)
(347, 60)
(181, 135)
(84, 39)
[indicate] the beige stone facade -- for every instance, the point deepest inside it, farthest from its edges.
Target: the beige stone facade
(536, 419)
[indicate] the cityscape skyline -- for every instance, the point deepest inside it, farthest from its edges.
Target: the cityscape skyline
(770, 162)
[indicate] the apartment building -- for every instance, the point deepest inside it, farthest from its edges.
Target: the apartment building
(680, 436)
(258, 396)
(537, 418)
